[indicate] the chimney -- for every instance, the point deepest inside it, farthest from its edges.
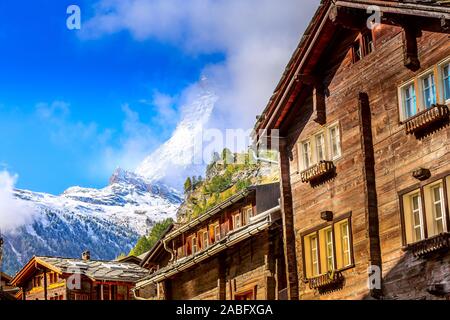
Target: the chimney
(86, 255)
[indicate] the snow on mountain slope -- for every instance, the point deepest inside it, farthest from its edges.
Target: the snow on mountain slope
(107, 221)
(178, 158)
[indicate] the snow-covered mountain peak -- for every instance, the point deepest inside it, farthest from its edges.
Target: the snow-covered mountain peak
(176, 159)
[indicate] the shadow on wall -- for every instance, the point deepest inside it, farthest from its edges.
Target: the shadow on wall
(418, 278)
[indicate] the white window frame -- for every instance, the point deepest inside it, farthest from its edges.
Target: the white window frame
(402, 102)
(434, 87)
(441, 203)
(323, 147)
(421, 216)
(217, 232)
(333, 156)
(305, 166)
(235, 224)
(441, 66)
(329, 245)
(315, 262)
(194, 245)
(248, 214)
(346, 239)
(205, 237)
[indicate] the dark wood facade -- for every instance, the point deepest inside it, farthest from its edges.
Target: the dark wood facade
(232, 252)
(52, 278)
(363, 119)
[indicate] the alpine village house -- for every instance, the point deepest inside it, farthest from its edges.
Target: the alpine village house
(362, 115)
(231, 252)
(53, 278)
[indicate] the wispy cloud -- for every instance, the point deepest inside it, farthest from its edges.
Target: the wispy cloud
(257, 37)
(14, 212)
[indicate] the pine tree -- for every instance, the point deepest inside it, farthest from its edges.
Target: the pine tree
(188, 185)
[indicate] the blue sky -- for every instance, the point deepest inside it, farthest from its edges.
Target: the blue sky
(76, 104)
(84, 84)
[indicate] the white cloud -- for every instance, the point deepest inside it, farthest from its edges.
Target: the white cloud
(14, 212)
(257, 37)
(136, 141)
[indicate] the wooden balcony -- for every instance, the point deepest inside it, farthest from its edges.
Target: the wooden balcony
(318, 171)
(426, 119)
(327, 282)
(437, 243)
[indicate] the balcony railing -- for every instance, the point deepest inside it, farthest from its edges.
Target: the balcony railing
(430, 245)
(318, 171)
(327, 282)
(426, 118)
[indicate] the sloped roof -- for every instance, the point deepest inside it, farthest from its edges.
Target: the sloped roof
(315, 39)
(93, 269)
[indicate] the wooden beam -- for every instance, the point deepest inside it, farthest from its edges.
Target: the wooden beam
(371, 199)
(410, 49)
(287, 213)
(222, 281)
(45, 285)
(347, 18)
(319, 104)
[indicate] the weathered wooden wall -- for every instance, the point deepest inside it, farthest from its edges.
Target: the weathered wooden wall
(243, 266)
(396, 155)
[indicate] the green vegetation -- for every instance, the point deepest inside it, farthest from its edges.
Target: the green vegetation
(145, 243)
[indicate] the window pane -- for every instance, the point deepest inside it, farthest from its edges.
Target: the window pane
(330, 250)
(346, 253)
(409, 101)
(368, 43)
(335, 142)
(306, 149)
(438, 209)
(320, 147)
(429, 91)
(446, 79)
(417, 217)
(314, 256)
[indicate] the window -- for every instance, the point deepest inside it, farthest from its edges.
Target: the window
(217, 233)
(320, 147)
(328, 248)
(345, 241)
(363, 46)
(368, 43)
(428, 91)
(421, 93)
(194, 245)
(446, 81)
(416, 209)
(237, 221)
(437, 194)
(248, 212)
(205, 240)
(325, 145)
(357, 52)
(335, 142)
(409, 101)
(306, 154)
(314, 255)
(424, 212)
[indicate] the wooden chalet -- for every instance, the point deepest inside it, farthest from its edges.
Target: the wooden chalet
(231, 252)
(362, 116)
(52, 278)
(7, 291)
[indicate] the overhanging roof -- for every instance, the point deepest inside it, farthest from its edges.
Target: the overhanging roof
(94, 269)
(315, 40)
(258, 223)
